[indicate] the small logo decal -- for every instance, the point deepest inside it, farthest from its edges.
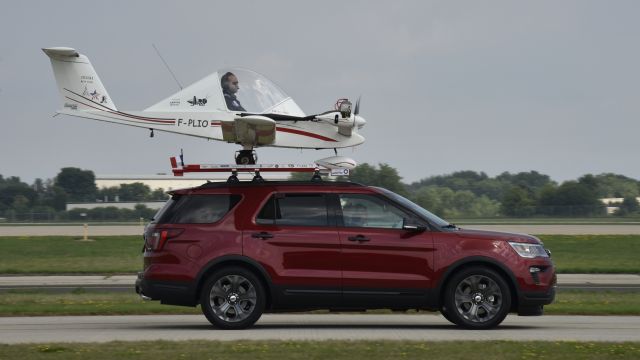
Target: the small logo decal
(195, 101)
(95, 95)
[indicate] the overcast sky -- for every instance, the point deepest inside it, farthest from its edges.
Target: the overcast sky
(492, 86)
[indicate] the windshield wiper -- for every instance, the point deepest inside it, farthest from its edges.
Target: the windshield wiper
(450, 226)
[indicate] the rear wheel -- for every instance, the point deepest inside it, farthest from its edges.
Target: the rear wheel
(477, 298)
(233, 298)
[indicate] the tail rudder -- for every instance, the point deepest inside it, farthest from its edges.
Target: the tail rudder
(78, 83)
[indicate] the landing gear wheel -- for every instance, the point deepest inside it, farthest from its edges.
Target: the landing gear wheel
(245, 157)
(477, 298)
(233, 299)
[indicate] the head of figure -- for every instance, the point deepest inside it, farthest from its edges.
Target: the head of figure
(229, 83)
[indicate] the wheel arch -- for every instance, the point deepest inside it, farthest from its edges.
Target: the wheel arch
(479, 261)
(241, 261)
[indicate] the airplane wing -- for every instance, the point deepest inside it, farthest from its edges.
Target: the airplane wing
(253, 130)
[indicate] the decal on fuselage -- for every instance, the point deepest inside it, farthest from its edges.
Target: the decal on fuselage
(86, 79)
(196, 123)
(95, 95)
(195, 101)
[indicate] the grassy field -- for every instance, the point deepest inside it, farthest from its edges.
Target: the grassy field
(307, 350)
(34, 303)
(67, 255)
(121, 254)
(609, 220)
(594, 253)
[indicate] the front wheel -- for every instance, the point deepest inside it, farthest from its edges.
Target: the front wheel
(233, 298)
(477, 298)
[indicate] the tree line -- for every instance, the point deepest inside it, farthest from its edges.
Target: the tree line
(46, 199)
(523, 194)
(462, 194)
(471, 194)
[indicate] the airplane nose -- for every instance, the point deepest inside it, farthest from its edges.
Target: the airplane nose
(360, 121)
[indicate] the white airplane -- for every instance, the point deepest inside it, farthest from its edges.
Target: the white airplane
(234, 105)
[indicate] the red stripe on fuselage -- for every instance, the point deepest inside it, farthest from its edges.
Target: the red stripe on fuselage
(305, 133)
(116, 112)
(139, 118)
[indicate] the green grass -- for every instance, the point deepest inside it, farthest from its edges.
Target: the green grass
(594, 253)
(121, 254)
(40, 303)
(67, 255)
(79, 302)
(308, 350)
(577, 302)
(609, 220)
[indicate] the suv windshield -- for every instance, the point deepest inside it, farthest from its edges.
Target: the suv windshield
(432, 218)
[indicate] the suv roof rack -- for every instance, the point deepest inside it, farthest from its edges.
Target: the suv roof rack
(217, 184)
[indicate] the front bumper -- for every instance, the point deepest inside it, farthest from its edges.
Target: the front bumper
(532, 303)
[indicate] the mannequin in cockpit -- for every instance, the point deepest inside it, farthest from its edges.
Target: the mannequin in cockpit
(229, 83)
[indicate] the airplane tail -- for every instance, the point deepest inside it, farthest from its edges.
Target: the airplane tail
(78, 83)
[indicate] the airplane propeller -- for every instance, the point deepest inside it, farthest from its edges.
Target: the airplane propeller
(358, 121)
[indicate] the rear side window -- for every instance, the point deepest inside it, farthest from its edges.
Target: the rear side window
(295, 209)
(164, 209)
(199, 209)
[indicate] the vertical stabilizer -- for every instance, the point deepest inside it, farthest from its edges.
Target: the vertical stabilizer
(78, 83)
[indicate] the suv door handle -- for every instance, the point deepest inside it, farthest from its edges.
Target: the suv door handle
(359, 238)
(262, 235)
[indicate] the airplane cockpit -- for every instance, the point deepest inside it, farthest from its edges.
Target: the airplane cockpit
(249, 92)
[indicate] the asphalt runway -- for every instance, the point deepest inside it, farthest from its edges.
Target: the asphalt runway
(106, 230)
(418, 327)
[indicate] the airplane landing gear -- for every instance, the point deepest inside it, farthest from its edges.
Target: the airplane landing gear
(246, 157)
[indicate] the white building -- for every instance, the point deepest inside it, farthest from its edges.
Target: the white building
(613, 204)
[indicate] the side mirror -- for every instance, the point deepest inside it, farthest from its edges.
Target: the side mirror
(412, 227)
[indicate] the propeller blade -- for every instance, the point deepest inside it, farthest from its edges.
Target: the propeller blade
(357, 110)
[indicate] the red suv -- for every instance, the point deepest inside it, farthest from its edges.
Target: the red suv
(240, 249)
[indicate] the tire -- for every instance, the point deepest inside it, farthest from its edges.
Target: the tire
(477, 298)
(233, 298)
(446, 315)
(245, 157)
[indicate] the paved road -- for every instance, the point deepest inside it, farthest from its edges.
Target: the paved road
(104, 230)
(313, 327)
(126, 282)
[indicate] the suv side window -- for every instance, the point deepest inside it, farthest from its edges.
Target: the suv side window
(199, 209)
(295, 209)
(371, 212)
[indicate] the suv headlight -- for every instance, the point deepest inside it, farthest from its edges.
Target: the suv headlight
(529, 250)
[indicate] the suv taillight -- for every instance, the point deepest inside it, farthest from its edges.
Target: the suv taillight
(159, 237)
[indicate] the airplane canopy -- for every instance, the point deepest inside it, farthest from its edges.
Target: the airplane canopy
(255, 93)
(234, 90)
